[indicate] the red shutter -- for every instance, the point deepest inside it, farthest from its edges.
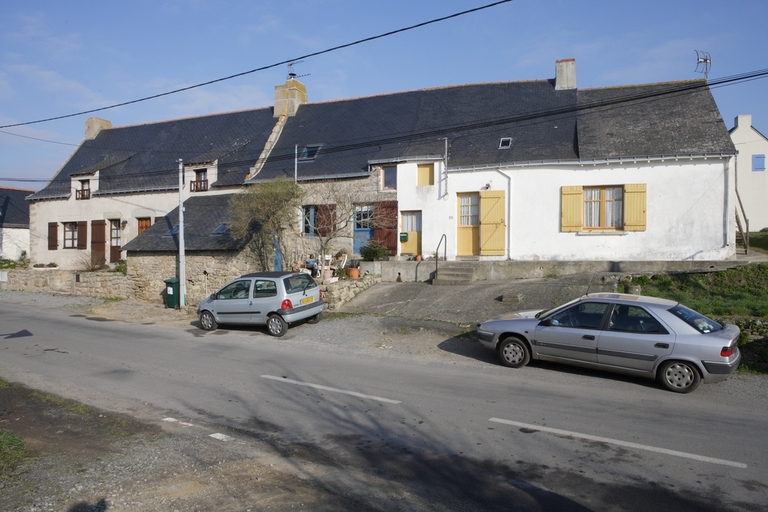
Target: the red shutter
(82, 234)
(385, 224)
(53, 236)
(98, 241)
(326, 219)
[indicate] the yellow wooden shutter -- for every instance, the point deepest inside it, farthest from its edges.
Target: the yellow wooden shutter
(572, 208)
(492, 223)
(426, 175)
(634, 206)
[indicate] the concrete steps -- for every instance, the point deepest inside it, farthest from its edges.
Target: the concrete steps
(450, 275)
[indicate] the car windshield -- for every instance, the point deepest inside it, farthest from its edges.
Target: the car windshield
(547, 312)
(696, 320)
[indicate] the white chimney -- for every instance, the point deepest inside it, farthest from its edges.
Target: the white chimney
(565, 74)
(289, 96)
(93, 125)
(743, 120)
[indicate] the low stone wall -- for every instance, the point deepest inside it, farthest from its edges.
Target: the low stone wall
(337, 293)
(102, 283)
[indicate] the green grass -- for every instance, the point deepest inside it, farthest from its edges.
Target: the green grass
(11, 452)
(736, 292)
(759, 241)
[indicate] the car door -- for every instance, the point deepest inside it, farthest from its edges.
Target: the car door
(265, 299)
(233, 303)
(634, 339)
(572, 333)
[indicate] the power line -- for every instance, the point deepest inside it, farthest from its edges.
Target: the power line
(237, 75)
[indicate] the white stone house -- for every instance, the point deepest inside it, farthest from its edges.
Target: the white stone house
(14, 223)
(751, 176)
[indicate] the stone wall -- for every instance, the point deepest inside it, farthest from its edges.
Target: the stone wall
(103, 283)
(337, 293)
(206, 272)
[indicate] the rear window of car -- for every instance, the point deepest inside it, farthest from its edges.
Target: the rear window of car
(298, 283)
(696, 320)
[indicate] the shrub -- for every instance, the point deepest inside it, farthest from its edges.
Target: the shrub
(374, 250)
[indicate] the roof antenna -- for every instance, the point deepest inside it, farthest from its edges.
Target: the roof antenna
(703, 63)
(291, 73)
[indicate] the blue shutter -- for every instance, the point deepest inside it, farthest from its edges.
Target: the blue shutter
(758, 162)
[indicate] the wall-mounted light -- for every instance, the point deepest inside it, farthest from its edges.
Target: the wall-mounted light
(487, 186)
(124, 223)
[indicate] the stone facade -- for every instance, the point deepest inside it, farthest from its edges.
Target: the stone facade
(103, 284)
(337, 293)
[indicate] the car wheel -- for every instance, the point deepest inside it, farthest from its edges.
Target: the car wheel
(679, 376)
(514, 353)
(315, 319)
(276, 325)
(207, 321)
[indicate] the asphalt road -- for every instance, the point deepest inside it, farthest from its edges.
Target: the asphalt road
(453, 425)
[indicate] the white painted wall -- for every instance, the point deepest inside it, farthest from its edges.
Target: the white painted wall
(13, 241)
(127, 207)
(752, 186)
(690, 207)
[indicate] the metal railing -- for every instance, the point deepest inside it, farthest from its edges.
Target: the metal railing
(198, 186)
(437, 253)
(83, 193)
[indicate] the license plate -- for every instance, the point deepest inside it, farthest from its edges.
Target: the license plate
(307, 300)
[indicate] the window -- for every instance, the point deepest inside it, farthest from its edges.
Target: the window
(468, 210)
(364, 216)
(605, 208)
(505, 143)
(389, 177)
(264, 288)
(223, 228)
(144, 223)
(309, 219)
(53, 236)
(236, 290)
(411, 221)
(585, 315)
(426, 175)
(114, 233)
(70, 235)
(85, 190)
(309, 152)
(634, 319)
(173, 231)
(201, 181)
(758, 163)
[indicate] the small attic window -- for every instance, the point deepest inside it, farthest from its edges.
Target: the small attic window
(173, 231)
(309, 152)
(223, 228)
(505, 143)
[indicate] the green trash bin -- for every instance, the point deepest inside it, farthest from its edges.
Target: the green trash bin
(172, 293)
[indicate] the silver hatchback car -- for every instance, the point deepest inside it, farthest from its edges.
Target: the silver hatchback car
(274, 299)
(629, 334)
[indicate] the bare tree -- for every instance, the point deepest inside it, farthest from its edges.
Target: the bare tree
(261, 213)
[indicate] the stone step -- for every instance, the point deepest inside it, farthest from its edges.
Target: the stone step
(449, 275)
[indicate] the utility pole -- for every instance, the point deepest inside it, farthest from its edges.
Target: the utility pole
(182, 262)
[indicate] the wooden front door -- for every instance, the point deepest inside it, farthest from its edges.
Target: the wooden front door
(98, 242)
(468, 229)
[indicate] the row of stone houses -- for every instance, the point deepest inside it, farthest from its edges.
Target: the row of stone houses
(529, 171)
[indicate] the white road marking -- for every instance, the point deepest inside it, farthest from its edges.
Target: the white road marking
(221, 437)
(171, 420)
(627, 444)
(334, 390)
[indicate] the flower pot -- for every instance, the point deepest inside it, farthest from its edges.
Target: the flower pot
(327, 274)
(354, 272)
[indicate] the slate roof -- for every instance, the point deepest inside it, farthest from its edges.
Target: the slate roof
(14, 210)
(202, 215)
(145, 157)
(676, 118)
(544, 124)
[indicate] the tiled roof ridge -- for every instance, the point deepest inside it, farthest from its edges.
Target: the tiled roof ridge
(187, 118)
(649, 84)
(17, 189)
(435, 88)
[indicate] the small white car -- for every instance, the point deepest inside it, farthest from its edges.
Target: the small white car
(274, 299)
(629, 334)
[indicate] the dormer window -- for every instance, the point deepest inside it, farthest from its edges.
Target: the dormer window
(223, 228)
(172, 232)
(309, 152)
(84, 192)
(201, 181)
(505, 143)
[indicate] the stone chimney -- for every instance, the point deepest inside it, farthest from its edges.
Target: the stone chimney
(289, 96)
(565, 74)
(93, 125)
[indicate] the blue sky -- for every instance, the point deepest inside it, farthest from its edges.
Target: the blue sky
(59, 58)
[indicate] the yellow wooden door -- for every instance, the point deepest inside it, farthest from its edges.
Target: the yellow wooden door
(411, 224)
(493, 223)
(468, 229)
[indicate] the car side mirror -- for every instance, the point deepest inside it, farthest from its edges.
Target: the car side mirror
(214, 296)
(546, 323)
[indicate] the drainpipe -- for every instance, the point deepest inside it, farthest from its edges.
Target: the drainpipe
(509, 212)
